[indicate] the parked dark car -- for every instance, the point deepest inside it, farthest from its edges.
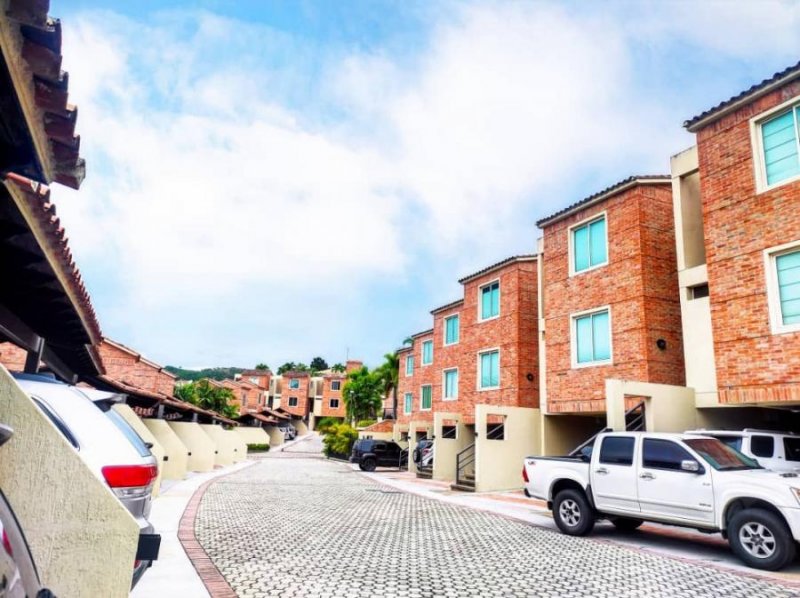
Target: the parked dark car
(370, 453)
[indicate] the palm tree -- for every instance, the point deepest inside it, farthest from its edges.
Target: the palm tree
(389, 374)
(361, 394)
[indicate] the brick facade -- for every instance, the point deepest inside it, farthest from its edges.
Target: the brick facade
(127, 366)
(302, 393)
(12, 357)
(639, 284)
(739, 223)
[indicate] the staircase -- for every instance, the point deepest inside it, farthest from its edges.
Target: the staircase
(634, 422)
(465, 470)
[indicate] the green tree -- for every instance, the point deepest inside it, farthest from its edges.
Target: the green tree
(362, 394)
(389, 374)
(291, 366)
(318, 364)
(202, 394)
(338, 368)
(262, 366)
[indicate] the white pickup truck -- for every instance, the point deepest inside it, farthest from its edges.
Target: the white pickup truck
(676, 479)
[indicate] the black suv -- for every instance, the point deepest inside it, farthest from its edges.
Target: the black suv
(369, 454)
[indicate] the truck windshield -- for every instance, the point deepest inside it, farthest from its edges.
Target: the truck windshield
(720, 456)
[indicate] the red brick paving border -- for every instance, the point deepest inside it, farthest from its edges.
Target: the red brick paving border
(215, 582)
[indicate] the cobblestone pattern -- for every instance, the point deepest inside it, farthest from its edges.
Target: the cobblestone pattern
(311, 528)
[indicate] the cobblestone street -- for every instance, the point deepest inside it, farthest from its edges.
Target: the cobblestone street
(295, 525)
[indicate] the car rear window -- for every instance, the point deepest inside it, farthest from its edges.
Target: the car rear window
(57, 421)
(129, 432)
(762, 446)
(791, 446)
(617, 450)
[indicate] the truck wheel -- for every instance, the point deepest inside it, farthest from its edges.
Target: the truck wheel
(626, 524)
(369, 464)
(761, 539)
(572, 513)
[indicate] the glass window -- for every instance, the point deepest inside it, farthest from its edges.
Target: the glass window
(451, 384)
(410, 365)
(336, 384)
(664, 454)
(721, 456)
(593, 338)
(409, 402)
(617, 450)
(294, 383)
(788, 271)
(589, 245)
(451, 330)
(490, 301)
(779, 142)
(427, 397)
(427, 353)
(735, 442)
(490, 369)
(334, 403)
(762, 446)
(791, 448)
(292, 401)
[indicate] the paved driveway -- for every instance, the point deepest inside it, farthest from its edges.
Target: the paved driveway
(294, 525)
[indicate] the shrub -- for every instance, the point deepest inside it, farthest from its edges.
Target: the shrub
(364, 423)
(325, 424)
(257, 448)
(339, 440)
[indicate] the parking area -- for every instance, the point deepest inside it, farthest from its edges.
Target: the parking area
(296, 525)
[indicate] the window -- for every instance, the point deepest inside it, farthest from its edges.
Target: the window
(495, 431)
(336, 385)
(244, 399)
(450, 385)
(617, 450)
(698, 292)
(294, 383)
(489, 369)
(778, 136)
(791, 448)
(451, 330)
(253, 379)
(664, 454)
(408, 403)
(427, 353)
(427, 398)
(490, 301)
(591, 338)
(783, 287)
(762, 446)
(449, 432)
(334, 403)
(410, 365)
(589, 245)
(735, 442)
(292, 401)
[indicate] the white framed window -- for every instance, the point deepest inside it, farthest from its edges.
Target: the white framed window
(489, 369)
(409, 365)
(775, 137)
(588, 244)
(336, 385)
(334, 403)
(783, 287)
(294, 383)
(408, 403)
(293, 401)
(427, 352)
(489, 301)
(254, 380)
(426, 397)
(451, 329)
(450, 384)
(591, 338)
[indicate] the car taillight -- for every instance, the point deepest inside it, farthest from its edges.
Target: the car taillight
(7, 544)
(525, 474)
(128, 481)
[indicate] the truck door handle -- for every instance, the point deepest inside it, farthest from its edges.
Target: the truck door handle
(602, 470)
(647, 476)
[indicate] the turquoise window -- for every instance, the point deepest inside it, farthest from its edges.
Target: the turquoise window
(410, 365)
(427, 353)
(409, 402)
(788, 266)
(779, 140)
(589, 245)
(451, 330)
(451, 384)
(426, 397)
(490, 301)
(490, 369)
(593, 338)
(294, 383)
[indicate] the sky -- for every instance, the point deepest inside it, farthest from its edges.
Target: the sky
(275, 180)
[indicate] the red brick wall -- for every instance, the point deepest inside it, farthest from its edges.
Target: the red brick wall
(328, 393)
(640, 285)
(129, 368)
(413, 384)
(12, 357)
(753, 365)
(303, 401)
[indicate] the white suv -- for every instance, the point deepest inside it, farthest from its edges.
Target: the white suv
(778, 451)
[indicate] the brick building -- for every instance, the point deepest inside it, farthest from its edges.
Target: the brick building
(246, 395)
(296, 395)
(126, 365)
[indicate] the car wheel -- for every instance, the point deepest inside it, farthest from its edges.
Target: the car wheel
(761, 539)
(369, 465)
(626, 524)
(416, 455)
(572, 513)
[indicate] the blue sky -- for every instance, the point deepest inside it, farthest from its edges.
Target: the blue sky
(270, 181)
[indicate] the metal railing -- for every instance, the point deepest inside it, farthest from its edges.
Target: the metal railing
(465, 465)
(634, 422)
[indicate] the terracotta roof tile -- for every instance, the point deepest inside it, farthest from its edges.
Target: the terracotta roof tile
(447, 306)
(500, 264)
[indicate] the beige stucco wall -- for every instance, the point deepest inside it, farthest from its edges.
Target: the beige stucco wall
(445, 450)
(302, 428)
(400, 434)
(563, 433)
(276, 437)
(253, 435)
(498, 463)
(223, 453)
(201, 448)
(136, 423)
(375, 435)
(239, 445)
(667, 408)
(82, 539)
(176, 453)
(414, 428)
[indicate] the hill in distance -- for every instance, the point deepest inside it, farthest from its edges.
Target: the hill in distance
(219, 373)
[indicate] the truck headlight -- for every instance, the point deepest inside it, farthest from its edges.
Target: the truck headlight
(796, 492)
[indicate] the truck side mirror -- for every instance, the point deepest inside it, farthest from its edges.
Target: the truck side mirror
(690, 466)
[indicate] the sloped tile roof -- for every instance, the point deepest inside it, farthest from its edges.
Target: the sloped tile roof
(500, 264)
